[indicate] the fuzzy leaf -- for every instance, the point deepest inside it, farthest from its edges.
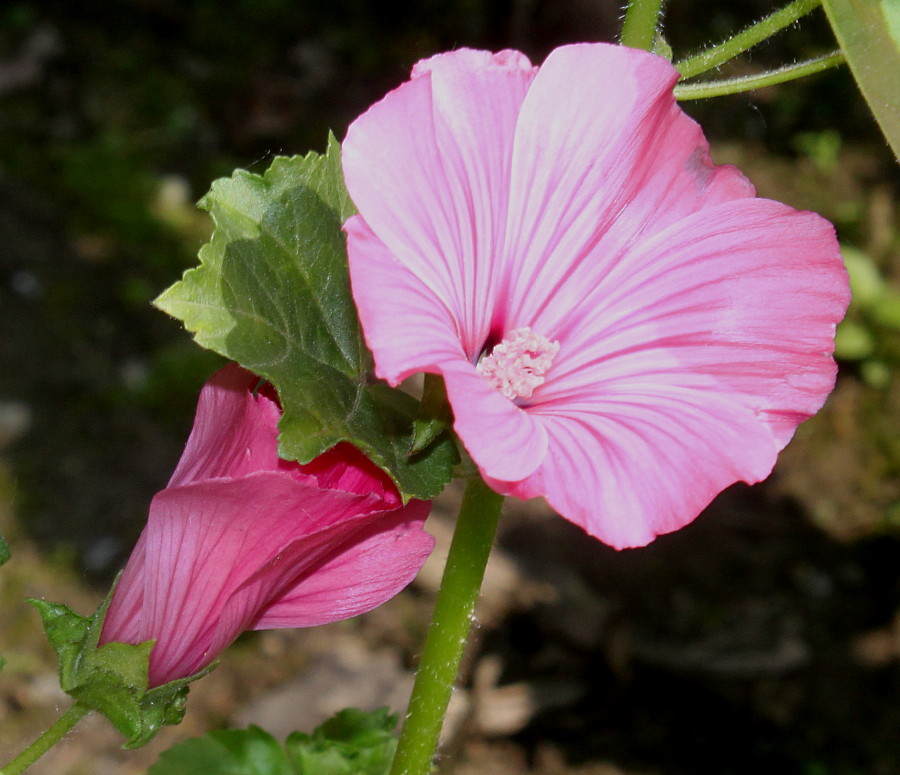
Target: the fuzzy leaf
(869, 34)
(272, 292)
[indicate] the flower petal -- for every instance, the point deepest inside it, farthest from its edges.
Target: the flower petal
(689, 369)
(381, 560)
(646, 465)
(603, 157)
(409, 330)
(235, 432)
(505, 441)
(742, 299)
(206, 542)
(345, 468)
(429, 168)
(406, 326)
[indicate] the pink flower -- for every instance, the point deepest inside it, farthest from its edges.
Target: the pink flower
(242, 540)
(622, 327)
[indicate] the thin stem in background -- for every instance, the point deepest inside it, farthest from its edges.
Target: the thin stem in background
(746, 39)
(476, 526)
(640, 24)
(60, 728)
(720, 88)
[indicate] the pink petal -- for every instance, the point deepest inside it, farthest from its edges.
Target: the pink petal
(405, 324)
(742, 298)
(409, 330)
(124, 614)
(603, 157)
(429, 166)
(381, 560)
(689, 369)
(210, 560)
(345, 468)
(505, 441)
(647, 464)
(234, 433)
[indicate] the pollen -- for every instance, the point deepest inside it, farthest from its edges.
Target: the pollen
(517, 365)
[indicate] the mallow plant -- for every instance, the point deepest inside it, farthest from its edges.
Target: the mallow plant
(603, 317)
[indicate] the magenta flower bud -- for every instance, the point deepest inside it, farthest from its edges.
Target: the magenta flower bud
(242, 540)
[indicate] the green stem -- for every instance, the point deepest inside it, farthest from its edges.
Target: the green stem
(720, 88)
(746, 39)
(46, 741)
(449, 630)
(641, 21)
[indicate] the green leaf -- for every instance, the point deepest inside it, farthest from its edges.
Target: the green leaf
(250, 751)
(4, 551)
(434, 418)
(869, 34)
(112, 678)
(272, 292)
(353, 742)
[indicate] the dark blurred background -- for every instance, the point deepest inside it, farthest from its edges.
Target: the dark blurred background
(114, 119)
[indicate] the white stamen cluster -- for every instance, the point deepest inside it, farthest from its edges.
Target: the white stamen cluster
(517, 365)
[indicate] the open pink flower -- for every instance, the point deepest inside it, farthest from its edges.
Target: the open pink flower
(242, 540)
(622, 327)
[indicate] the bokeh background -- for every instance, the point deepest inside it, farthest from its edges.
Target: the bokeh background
(764, 637)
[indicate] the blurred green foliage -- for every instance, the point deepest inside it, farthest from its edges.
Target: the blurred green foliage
(871, 332)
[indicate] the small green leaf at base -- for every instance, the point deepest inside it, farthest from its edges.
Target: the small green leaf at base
(272, 292)
(112, 679)
(353, 742)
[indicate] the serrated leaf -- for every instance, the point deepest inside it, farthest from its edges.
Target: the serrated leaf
(869, 34)
(353, 742)
(272, 292)
(112, 678)
(250, 751)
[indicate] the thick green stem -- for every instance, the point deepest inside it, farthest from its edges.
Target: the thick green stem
(641, 21)
(46, 741)
(720, 88)
(746, 39)
(450, 625)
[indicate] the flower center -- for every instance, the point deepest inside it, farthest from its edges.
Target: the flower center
(517, 365)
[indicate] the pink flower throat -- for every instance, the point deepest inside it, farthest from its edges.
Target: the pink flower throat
(517, 365)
